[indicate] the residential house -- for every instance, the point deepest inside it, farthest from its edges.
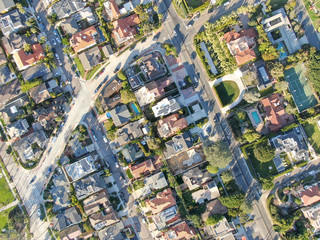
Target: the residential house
(103, 219)
(310, 195)
(85, 39)
(39, 93)
(66, 219)
(6, 75)
(180, 231)
(115, 230)
(165, 107)
(120, 115)
(170, 125)
(212, 208)
(65, 8)
(241, 45)
(152, 183)
(153, 91)
(82, 167)
(194, 178)
(14, 42)
(112, 9)
(276, 115)
(262, 73)
(109, 96)
(70, 26)
(3, 58)
(25, 59)
(208, 192)
(109, 103)
(9, 92)
(221, 229)
(96, 202)
(162, 201)
(127, 8)
(11, 22)
(312, 214)
(179, 143)
(5, 5)
(37, 71)
(142, 169)
(132, 153)
(90, 58)
(60, 193)
(124, 28)
(128, 133)
(107, 50)
(89, 185)
(13, 108)
(71, 233)
(280, 32)
(293, 144)
(31, 146)
(18, 128)
(152, 65)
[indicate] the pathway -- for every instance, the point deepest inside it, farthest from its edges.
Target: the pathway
(10, 205)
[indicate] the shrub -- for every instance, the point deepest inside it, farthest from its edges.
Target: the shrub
(263, 151)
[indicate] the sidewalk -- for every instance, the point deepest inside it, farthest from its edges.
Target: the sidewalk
(10, 205)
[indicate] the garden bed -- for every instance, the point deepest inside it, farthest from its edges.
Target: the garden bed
(227, 92)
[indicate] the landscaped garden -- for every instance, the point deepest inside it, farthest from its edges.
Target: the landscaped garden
(227, 92)
(186, 8)
(313, 11)
(313, 134)
(6, 195)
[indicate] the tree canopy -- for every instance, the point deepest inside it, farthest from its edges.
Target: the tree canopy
(276, 69)
(251, 96)
(214, 219)
(281, 85)
(263, 151)
(314, 70)
(226, 176)
(267, 183)
(251, 136)
(218, 154)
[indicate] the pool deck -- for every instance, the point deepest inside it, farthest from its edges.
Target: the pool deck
(254, 124)
(236, 77)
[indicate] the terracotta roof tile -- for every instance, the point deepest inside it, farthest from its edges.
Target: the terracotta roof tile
(124, 26)
(180, 231)
(23, 59)
(310, 196)
(162, 201)
(142, 168)
(83, 39)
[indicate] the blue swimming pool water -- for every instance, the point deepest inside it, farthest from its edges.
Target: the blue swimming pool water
(282, 50)
(108, 115)
(256, 117)
(135, 109)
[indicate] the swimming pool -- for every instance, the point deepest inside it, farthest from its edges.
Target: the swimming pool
(256, 117)
(134, 108)
(283, 54)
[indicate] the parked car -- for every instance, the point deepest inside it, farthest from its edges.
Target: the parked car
(58, 40)
(39, 212)
(94, 135)
(39, 19)
(226, 3)
(42, 26)
(105, 139)
(32, 180)
(175, 33)
(196, 16)
(135, 57)
(217, 118)
(116, 164)
(144, 40)
(57, 56)
(116, 69)
(54, 42)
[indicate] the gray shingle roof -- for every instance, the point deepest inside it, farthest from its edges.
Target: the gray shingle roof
(6, 4)
(120, 115)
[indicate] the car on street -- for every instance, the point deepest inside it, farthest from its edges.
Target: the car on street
(105, 139)
(116, 164)
(297, 130)
(39, 19)
(39, 212)
(42, 26)
(196, 16)
(312, 172)
(135, 57)
(54, 42)
(32, 180)
(217, 118)
(132, 47)
(105, 79)
(116, 69)
(114, 158)
(144, 40)
(94, 135)
(211, 9)
(101, 71)
(58, 40)
(57, 56)
(226, 3)
(175, 33)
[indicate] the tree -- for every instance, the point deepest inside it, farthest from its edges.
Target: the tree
(153, 143)
(27, 47)
(214, 219)
(233, 201)
(43, 39)
(121, 75)
(241, 115)
(268, 51)
(311, 111)
(291, 109)
(266, 183)
(281, 86)
(33, 30)
(251, 136)
(68, 50)
(246, 207)
(65, 41)
(20, 8)
(251, 96)
(212, 169)
(263, 151)
(197, 222)
(313, 72)
(276, 69)
(218, 154)
(139, 9)
(226, 177)
(127, 96)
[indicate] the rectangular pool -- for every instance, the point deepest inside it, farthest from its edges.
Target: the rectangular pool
(134, 108)
(256, 117)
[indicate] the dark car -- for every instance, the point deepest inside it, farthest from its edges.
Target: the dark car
(54, 50)
(211, 10)
(116, 70)
(132, 47)
(217, 118)
(32, 180)
(135, 57)
(144, 40)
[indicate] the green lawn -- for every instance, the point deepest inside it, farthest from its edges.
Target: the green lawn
(261, 167)
(195, 3)
(313, 134)
(4, 217)
(92, 72)
(79, 66)
(313, 16)
(227, 92)
(130, 176)
(6, 195)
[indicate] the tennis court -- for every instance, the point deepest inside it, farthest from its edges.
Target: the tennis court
(300, 88)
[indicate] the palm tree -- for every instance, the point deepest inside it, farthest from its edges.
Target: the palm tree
(27, 47)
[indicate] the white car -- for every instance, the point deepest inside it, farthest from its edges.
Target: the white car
(116, 164)
(226, 3)
(312, 172)
(105, 139)
(54, 42)
(57, 56)
(175, 33)
(58, 40)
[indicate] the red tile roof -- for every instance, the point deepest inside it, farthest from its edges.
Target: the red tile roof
(276, 113)
(23, 59)
(124, 26)
(83, 39)
(142, 168)
(236, 41)
(310, 196)
(180, 231)
(162, 201)
(114, 8)
(172, 124)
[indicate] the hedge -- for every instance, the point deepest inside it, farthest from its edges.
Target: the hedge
(282, 173)
(201, 8)
(289, 127)
(301, 164)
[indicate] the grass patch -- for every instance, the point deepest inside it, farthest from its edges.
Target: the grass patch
(181, 9)
(276, 4)
(99, 106)
(227, 92)
(261, 167)
(92, 72)
(313, 134)
(6, 195)
(195, 3)
(130, 176)
(4, 218)
(79, 66)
